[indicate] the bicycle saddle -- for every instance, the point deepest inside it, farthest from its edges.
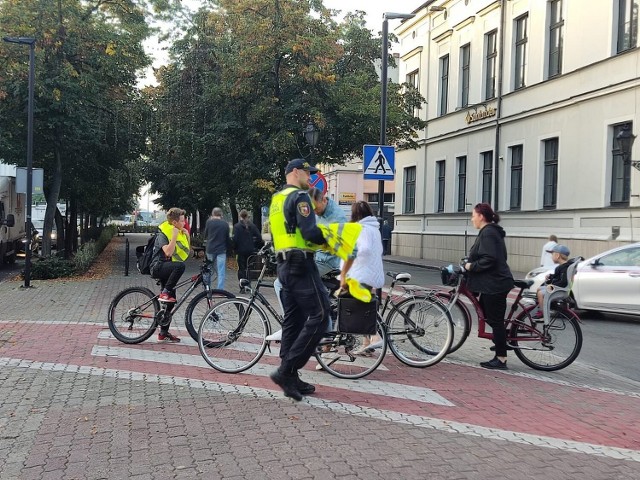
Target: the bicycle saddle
(402, 277)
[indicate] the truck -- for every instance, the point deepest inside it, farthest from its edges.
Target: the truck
(12, 215)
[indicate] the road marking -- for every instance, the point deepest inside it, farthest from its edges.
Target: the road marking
(363, 385)
(243, 347)
(339, 407)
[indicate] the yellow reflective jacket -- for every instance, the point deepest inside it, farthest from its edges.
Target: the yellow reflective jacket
(181, 253)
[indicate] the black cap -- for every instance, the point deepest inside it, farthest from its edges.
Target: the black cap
(300, 164)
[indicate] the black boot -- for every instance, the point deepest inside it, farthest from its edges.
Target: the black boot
(305, 388)
(288, 383)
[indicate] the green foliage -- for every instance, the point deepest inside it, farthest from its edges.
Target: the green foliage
(90, 121)
(52, 267)
(229, 111)
(57, 267)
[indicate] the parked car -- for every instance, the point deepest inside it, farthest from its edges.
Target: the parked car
(607, 282)
(39, 226)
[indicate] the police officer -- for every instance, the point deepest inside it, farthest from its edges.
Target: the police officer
(305, 300)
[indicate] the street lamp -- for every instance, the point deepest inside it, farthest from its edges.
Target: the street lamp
(312, 136)
(383, 98)
(32, 80)
(624, 141)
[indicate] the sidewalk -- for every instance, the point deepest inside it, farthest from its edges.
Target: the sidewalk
(77, 404)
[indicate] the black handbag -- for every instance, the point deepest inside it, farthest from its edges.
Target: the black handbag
(357, 317)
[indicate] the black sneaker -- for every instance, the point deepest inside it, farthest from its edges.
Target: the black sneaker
(288, 384)
(305, 388)
(494, 364)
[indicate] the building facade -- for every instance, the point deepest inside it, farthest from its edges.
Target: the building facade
(524, 101)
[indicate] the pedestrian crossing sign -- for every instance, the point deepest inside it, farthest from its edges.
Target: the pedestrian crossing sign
(379, 162)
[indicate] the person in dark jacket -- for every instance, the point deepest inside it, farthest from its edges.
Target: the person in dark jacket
(245, 238)
(489, 275)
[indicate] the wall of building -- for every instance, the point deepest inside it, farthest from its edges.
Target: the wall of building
(597, 90)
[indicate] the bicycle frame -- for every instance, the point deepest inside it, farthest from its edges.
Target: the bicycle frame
(533, 334)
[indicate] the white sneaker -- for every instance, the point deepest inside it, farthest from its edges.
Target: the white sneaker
(375, 345)
(274, 337)
(330, 356)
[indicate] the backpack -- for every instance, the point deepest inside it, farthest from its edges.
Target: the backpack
(144, 255)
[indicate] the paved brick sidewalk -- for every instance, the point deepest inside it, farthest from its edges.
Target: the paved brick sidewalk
(75, 404)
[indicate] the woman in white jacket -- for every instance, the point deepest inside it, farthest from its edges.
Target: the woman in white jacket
(366, 265)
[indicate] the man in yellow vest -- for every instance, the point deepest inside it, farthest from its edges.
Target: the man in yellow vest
(304, 298)
(170, 251)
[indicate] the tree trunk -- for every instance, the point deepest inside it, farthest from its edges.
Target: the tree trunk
(52, 200)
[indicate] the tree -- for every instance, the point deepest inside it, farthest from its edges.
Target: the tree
(89, 125)
(244, 81)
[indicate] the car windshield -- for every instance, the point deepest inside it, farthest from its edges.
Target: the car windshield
(622, 258)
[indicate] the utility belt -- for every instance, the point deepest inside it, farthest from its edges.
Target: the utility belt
(298, 253)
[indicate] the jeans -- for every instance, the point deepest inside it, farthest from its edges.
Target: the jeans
(221, 267)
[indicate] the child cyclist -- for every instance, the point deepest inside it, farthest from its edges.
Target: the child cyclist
(560, 256)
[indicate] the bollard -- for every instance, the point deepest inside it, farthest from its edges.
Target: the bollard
(126, 258)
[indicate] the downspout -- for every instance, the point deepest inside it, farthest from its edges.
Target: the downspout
(496, 156)
(426, 134)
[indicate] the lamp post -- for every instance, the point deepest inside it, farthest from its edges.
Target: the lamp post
(383, 96)
(32, 80)
(624, 141)
(312, 136)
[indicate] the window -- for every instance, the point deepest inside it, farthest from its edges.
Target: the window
(465, 57)
(621, 171)
(627, 24)
(414, 80)
(388, 197)
(555, 38)
(515, 202)
(521, 51)
(487, 175)
(410, 190)
(444, 84)
(440, 169)
(490, 65)
(550, 196)
(462, 184)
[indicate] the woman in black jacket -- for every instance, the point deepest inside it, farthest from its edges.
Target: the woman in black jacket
(489, 275)
(245, 238)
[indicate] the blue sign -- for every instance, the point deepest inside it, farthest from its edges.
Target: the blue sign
(379, 162)
(318, 181)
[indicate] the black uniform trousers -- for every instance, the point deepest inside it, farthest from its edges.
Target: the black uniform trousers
(306, 314)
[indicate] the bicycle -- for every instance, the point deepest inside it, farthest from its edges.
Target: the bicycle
(417, 329)
(136, 312)
(244, 323)
(549, 343)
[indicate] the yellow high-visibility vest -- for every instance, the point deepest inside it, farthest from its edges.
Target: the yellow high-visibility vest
(181, 253)
(283, 240)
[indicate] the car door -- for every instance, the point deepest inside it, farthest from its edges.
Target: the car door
(611, 282)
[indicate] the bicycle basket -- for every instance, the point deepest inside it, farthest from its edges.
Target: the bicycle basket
(357, 317)
(448, 278)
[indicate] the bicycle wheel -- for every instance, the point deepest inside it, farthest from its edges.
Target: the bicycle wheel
(231, 337)
(199, 306)
(349, 357)
(132, 314)
(550, 347)
(420, 331)
(461, 318)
